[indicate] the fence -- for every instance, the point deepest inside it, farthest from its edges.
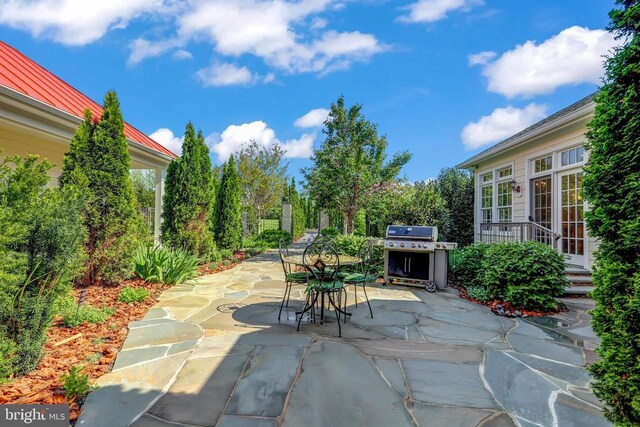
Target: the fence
(268, 224)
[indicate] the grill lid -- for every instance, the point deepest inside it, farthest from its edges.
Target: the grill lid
(412, 232)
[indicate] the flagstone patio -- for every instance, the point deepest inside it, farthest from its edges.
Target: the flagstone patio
(213, 353)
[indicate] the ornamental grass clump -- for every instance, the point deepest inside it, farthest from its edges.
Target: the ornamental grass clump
(162, 265)
(528, 275)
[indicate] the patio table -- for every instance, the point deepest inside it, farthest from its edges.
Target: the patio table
(344, 260)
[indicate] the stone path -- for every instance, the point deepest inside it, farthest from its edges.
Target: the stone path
(213, 353)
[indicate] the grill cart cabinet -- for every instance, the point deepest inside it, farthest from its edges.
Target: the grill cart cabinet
(413, 256)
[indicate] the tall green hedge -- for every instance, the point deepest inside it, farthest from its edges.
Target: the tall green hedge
(612, 187)
(99, 163)
(229, 210)
(189, 198)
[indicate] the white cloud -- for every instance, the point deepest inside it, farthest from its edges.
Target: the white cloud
(434, 10)
(73, 22)
(226, 75)
(500, 124)
(182, 54)
(481, 58)
(288, 35)
(234, 137)
(142, 49)
(275, 32)
(313, 118)
(572, 57)
(167, 139)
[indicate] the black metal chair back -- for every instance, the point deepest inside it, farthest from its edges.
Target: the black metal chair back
(322, 261)
(366, 254)
(322, 240)
(283, 250)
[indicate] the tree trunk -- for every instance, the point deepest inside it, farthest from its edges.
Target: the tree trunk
(350, 216)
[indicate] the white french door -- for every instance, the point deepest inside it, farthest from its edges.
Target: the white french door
(570, 216)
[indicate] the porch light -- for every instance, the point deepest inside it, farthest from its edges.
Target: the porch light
(515, 187)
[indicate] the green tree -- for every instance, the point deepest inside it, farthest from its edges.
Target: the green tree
(40, 253)
(350, 165)
(229, 210)
(298, 219)
(99, 162)
(262, 180)
(189, 198)
(612, 187)
(456, 187)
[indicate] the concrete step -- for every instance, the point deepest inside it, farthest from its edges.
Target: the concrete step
(578, 290)
(571, 278)
(577, 271)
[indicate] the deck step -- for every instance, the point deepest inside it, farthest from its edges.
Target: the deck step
(578, 290)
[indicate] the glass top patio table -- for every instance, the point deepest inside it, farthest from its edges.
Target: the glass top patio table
(344, 260)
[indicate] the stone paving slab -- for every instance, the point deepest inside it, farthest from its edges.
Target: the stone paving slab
(446, 383)
(265, 383)
(213, 353)
(434, 415)
(350, 393)
(197, 397)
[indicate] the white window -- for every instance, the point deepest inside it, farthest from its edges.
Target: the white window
(505, 200)
(486, 202)
(543, 164)
(496, 196)
(572, 156)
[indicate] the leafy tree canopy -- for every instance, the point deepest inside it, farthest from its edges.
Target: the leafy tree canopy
(350, 165)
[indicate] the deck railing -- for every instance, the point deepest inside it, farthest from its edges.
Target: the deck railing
(491, 232)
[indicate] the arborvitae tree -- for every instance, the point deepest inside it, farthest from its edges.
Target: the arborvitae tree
(76, 158)
(189, 198)
(229, 211)
(297, 211)
(99, 161)
(611, 186)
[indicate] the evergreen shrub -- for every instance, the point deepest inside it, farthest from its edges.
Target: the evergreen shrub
(612, 188)
(529, 275)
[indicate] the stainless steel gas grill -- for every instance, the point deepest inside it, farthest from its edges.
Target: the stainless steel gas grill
(413, 256)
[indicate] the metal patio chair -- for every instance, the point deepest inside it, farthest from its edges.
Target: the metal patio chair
(321, 260)
(290, 277)
(361, 275)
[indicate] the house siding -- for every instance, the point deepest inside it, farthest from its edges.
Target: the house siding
(520, 158)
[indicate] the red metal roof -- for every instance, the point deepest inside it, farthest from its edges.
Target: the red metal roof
(23, 75)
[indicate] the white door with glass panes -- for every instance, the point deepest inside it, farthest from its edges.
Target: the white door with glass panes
(570, 212)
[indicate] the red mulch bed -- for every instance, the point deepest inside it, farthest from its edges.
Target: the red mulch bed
(96, 348)
(503, 308)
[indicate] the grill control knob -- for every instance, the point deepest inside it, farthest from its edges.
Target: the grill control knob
(402, 245)
(419, 245)
(413, 245)
(390, 244)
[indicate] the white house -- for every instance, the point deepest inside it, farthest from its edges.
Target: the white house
(529, 186)
(39, 114)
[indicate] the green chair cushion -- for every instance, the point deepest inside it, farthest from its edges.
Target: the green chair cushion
(297, 277)
(342, 274)
(359, 278)
(325, 285)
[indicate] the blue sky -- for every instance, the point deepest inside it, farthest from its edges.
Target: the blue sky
(441, 78)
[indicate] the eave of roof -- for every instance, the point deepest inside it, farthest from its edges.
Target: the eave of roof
(582, 108)
(22, 76)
